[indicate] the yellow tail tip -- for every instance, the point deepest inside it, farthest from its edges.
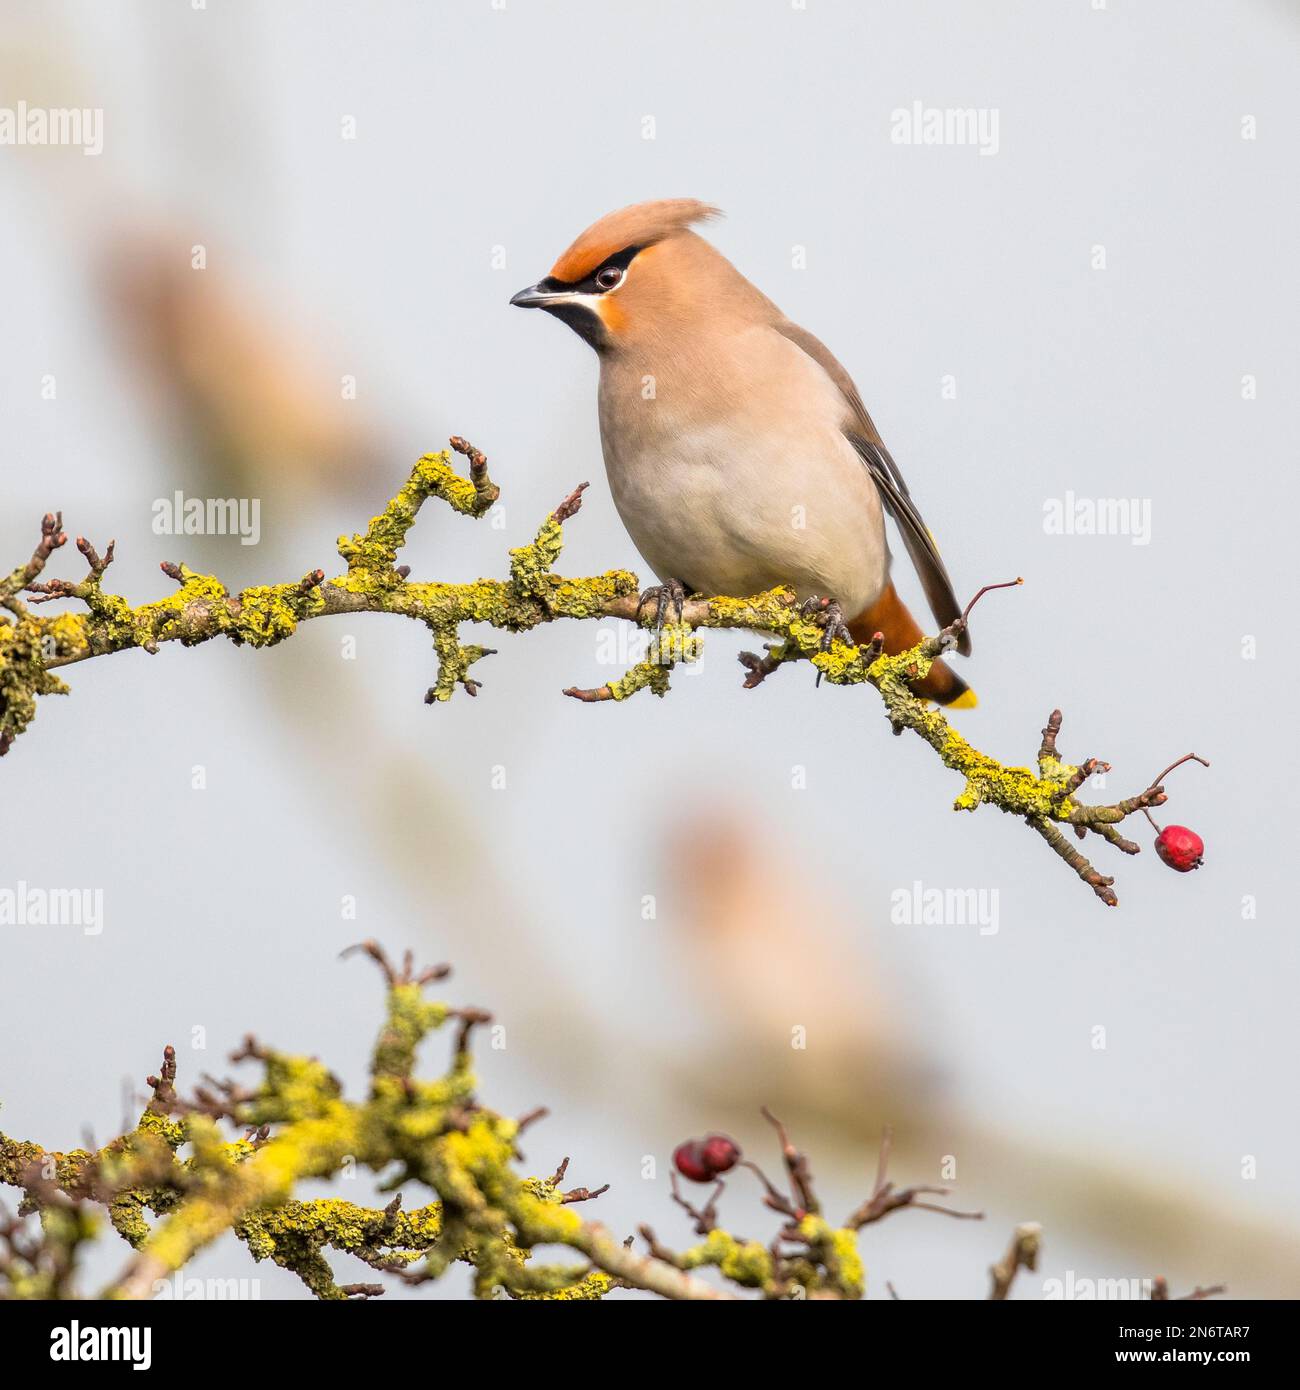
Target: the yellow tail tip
(966, 700)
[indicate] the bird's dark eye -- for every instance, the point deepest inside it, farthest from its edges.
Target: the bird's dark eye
(610, 276)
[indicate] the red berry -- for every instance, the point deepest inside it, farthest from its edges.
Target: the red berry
(1180, 848)
(689, 1160)
(719, 1152)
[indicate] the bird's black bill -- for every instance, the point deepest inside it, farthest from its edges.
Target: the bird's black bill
(568, 305)
(536, 296)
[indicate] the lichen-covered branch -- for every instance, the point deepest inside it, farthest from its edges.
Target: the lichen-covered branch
(33, 646)
(177, 1181)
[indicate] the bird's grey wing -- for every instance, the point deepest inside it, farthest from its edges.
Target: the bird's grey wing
(862, 433)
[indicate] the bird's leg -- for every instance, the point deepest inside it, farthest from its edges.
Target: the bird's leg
(826, 613)
(661, 595)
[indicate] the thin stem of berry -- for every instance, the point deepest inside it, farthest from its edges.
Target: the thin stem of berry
(1008, 584)
(1186, 758)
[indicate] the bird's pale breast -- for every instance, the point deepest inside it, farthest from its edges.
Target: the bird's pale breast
(731, 472)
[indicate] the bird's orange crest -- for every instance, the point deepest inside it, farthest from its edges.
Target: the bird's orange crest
(642, 224)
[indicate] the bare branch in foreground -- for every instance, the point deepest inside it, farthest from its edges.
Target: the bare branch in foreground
(175, 1182)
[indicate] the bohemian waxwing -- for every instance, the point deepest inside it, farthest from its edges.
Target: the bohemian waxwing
(738, 450)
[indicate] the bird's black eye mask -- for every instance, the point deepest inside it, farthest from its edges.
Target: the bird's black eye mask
(607, 276)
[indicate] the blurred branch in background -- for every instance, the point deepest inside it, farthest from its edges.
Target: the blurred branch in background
(240, 388)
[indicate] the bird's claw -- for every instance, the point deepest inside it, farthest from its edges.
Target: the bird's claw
(826, 613)
(828, 616)
(670, 591)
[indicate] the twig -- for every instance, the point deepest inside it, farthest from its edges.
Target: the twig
(1022, 1253)
(796, 1167)
(885, 1197)
(1186, 758)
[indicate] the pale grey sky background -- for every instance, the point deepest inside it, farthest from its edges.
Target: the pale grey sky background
(487, 136)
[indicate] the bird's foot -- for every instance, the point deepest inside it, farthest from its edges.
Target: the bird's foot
(671, 591)
(828, 616)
